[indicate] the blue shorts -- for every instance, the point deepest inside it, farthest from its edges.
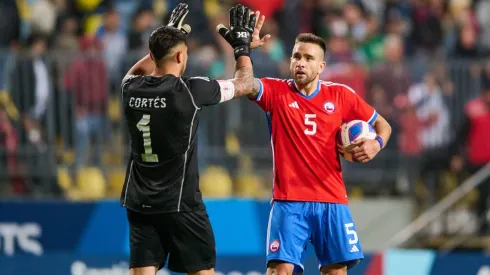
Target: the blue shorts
(328, 226)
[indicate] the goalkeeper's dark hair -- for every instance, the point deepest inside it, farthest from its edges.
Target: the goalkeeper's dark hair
(163, 39)
(313, 39)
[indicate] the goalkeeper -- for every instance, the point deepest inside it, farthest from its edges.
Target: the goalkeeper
(166, 214)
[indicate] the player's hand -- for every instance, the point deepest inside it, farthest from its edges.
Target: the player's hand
(177, 18)
(341, 149)
(365, 150)
(239, 35)
(256, 40)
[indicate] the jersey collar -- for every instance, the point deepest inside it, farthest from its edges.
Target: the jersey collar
(308, 96)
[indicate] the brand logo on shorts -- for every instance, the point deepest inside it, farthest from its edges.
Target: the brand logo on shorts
(274, 246)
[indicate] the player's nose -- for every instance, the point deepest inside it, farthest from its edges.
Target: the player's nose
(300, 63)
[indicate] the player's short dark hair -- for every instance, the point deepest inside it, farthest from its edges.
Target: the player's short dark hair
(163, 39)
(311, 38)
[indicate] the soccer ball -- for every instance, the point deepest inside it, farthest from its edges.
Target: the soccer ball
(352, 131)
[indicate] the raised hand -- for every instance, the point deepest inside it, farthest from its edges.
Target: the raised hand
(177, 18)
(239, 34)
(256, 40)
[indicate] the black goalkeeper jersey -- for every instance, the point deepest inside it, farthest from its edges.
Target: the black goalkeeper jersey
(162, 116)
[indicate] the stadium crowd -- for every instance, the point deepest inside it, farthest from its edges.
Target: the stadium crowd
(418, 62)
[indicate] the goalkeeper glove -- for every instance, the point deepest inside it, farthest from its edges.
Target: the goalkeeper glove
(239, 35)
(177, 18)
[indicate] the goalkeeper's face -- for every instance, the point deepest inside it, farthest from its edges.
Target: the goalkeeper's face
(306, 62)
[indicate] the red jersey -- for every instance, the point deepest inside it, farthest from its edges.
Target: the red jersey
(303, 128)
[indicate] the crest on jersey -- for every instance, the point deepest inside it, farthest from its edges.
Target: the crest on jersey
(329, 107)
(274, 246)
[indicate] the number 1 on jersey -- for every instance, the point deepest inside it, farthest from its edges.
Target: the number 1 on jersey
(144, 127)
(310, 122)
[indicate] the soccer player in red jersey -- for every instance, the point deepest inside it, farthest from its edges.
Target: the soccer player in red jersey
(309, 198)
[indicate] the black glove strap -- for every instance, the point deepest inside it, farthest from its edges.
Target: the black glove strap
(243, 50)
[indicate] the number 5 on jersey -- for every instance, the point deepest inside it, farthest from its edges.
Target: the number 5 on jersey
(311, 129)
(144, 127)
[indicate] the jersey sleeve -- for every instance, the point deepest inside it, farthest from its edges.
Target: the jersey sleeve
(205, 91)
(356, 108)
(127, 80)
(266, 92)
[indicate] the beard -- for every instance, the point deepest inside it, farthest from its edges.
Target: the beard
(304, 79)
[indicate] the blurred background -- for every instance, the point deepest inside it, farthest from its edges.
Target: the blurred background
(423, 64)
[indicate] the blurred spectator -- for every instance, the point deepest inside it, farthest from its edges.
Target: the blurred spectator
(467, 44)
(9, 144)
(31, 89)
(9, 23)
(114, 42)
(483, 14)
(428, 100)
(471, 146)
(409, 143)
(389, 78)
(66, 39)
(43, 18)
(10, 29)
(370, 50)
(427, 33)
(29, 79)
(270, 59)
(354, 16)
(431, 110)
(86, 80)
(143, 25)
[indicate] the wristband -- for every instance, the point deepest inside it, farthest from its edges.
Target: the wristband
(241, 51)
(380, 141)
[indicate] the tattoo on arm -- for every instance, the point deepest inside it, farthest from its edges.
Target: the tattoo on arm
(255, 89)
(243, 81)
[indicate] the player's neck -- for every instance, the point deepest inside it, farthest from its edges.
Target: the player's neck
(307, 89)
(160, 72)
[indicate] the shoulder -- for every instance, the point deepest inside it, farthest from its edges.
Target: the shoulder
(277, 84)
(336, 87)
(128, 79)
(196, 81)
(274, 81)
(195, 78)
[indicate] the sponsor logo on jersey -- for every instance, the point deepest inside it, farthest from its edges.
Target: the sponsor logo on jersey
(329, 107)
(274, 246)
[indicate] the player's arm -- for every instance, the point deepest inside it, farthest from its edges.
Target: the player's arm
(357, 108)
(367, 149)
(244, 82)
(383, 130)
(243, 29)
(145, 65)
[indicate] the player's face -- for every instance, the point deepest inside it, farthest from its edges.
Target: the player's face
(306, 62)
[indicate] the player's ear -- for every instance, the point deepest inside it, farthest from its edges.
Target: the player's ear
(323, 64)
(179, 57)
